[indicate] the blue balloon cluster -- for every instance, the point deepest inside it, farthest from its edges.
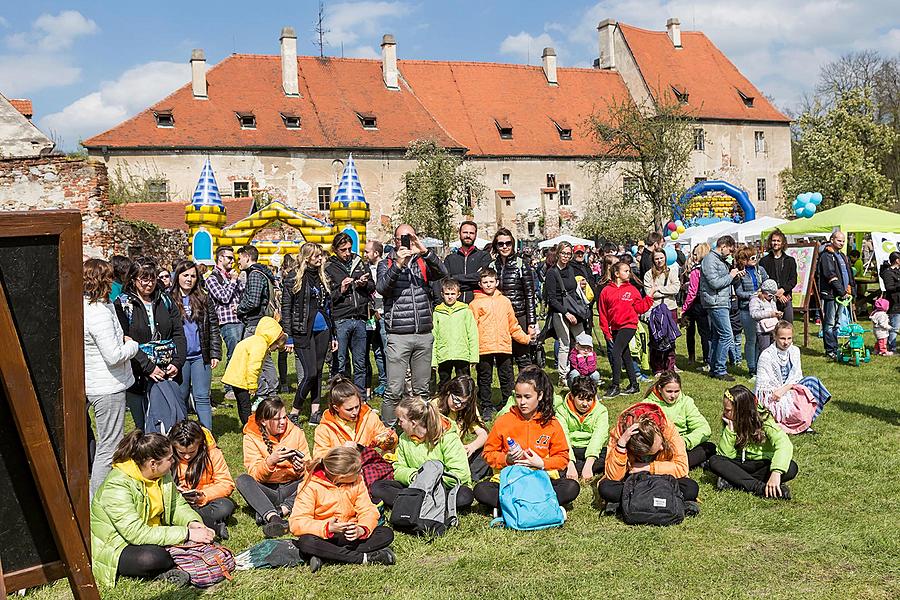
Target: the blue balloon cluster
(671, 255)
(806, 203)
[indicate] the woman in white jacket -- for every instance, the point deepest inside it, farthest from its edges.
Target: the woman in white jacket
(107, 365)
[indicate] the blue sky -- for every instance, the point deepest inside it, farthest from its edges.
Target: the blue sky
(89, 65)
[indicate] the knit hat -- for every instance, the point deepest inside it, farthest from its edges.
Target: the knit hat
(881, 304)
(769, 286)
(584, 339)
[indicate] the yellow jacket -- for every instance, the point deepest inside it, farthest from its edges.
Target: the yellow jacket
(246, 361)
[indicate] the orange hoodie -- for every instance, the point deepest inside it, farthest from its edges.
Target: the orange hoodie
(256, 452)
(548, 441)
(333, 431)
(497, 324)
(216, 481)
(319, 500)
(674, 463)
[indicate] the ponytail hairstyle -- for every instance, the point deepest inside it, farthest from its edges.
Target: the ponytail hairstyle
(266, 410)
(184, 433)
(540, 381)
(664, 379)
(424, 413)
(748, 419)
(342, 389)
(462, 386)
(142, 447)
(338, 462)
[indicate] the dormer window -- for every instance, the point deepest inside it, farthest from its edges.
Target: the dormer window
(367, 120)
(164, 118)
(505, 128)
(564, 130)
(747, 99)
(681, 93)
(247, 120)
(291, 121)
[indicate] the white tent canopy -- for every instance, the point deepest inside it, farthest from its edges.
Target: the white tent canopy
(430, 242)
(566, 238)
(480, 243)
(751, 230)
(704, 233)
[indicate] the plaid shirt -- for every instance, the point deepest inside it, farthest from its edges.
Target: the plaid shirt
(225, 294)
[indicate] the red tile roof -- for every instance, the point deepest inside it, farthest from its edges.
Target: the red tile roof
(23, 105)
(170, 215)
(702, 71)
(505, 193)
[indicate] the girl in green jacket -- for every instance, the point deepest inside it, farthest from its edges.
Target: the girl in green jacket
(427, 435)
(457, 401)
(754, 452)
(585, 421)
(681, 411)
(138, 511)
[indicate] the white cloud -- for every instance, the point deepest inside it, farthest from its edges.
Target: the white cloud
(50, 33)
(21, 75)
(362, 52)
(349, 22)
(114, 101)
(526, 46)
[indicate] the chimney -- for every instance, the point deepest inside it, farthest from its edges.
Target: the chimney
(607, 29)
(673, 28)
(198, 73)
(549, 60)
(389, 62)
(289, 62)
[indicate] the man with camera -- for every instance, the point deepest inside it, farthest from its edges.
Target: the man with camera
(351, 286)
(404, 279)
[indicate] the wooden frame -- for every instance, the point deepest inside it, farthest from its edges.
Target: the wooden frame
(811, 289)
(62, 485)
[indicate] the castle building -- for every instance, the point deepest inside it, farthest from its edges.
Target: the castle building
(281, 127)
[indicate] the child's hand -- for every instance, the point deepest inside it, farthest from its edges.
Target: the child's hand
(530, 459)
(626, 435)
(588, 470)
(773, 485)
(513, 457)
(572, 472)
(353, 532)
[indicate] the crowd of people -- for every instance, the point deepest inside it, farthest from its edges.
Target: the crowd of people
(153, 337)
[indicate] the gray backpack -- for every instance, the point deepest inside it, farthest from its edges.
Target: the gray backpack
(426, 506)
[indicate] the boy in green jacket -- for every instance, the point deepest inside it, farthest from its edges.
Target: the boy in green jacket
(585, 422)
(455, 335)
(683, 413)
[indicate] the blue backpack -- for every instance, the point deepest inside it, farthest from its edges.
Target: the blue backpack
(527, 500)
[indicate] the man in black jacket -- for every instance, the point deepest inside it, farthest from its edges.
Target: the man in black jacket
(783, 269)
(351, 285)
(404, 278)
(835, 282)
(258, 301)
(465, 264)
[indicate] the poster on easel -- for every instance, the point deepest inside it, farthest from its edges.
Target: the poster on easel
(805, 255)
(884, 244)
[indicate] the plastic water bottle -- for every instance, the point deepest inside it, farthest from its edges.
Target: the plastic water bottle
(513, 445)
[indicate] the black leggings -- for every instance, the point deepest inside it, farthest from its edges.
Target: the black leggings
(611, 490)
(244, 403)
(478, 467)
(620, 354)
(145, 561)
(700, 453)
(338, 549)
(216, 511)
(312, 359)
(386, 491)
(488, 492)
(266, 498)
(748, 475)
(445, 370)
(698, 322)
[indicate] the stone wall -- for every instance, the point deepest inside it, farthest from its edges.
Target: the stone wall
(140, 238)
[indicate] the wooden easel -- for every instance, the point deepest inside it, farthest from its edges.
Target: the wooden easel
(811, 290)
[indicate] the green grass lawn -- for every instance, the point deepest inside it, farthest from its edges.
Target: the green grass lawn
(837, 538)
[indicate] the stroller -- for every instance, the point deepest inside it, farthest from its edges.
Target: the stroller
(851, 344)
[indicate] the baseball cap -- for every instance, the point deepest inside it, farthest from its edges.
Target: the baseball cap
(578, 248)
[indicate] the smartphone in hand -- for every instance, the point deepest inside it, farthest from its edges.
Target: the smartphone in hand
(406, 241)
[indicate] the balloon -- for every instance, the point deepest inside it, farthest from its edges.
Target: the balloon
(634, 250)
(671, 255)
(797, 204)
(680, 229)
(679, 224)
(806, 197)
(809, 210)
(671, 226)
(816, 198)
(673, 236)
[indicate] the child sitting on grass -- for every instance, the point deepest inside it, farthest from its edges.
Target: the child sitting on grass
(457, 402)
(349, 421)
(681, 411)
(334, 518)
(583, 360)
(754, 453)
(455, 334)
(586, 424)
(245, 363)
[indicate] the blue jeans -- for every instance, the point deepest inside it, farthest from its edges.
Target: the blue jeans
(196, 378)
(375, 342)
(892, 337)
(351, 337)
(749, 325)
(830, 325)
(232, 333)
(720, 338)
(734, 351)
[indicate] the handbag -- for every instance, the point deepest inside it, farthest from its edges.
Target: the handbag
(574, 304)
(207, 564)
(162, 352)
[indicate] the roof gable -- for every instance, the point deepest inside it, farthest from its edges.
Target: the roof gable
(19, 137)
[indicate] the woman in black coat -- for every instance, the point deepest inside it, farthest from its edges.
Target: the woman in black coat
(516, 281)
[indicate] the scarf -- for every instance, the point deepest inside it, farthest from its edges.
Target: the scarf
(152, 490)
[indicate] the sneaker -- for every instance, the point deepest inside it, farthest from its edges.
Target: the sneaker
(221, 531)
(611, 508)
(752, 378)
(284, 388)
(723, 485)
(644, 379)
(785, 492)
(831, 356)
(176, 577)
(294, 418)
(229, 395)
(612, 392)
(691, 508)
(385, 556)
(488, 413)
(276, 527)
(704, 368)
(379, 391)
(316, 418)
(315, 563)
(631, 389)
(723, 377)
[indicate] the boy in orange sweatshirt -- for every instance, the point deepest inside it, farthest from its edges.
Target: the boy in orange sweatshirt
(497, 328)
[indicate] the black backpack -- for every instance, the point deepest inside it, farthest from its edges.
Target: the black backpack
(652, 500)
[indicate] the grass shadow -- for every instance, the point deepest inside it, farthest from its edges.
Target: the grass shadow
(889, 416)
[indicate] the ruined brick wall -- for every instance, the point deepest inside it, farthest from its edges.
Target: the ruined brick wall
(139, 238)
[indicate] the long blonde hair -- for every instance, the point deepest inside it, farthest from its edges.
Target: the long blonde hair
(339, 462)
(424, 413)
(700, 250)
(307, 251)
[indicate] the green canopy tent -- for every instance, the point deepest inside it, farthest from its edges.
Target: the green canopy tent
(849, 218)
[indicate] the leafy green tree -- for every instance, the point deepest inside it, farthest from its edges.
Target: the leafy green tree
(841, 152)
(608, 216)
(437, 190)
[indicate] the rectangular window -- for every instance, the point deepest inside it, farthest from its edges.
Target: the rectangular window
(699, 140)
(759, 141)
(325, 198)
(290, 121)
(531, 228)
(247, 120)
(505, 128)
(565, 194)
(746, 99)
(551, 180)
(505, 178)
(631, 189)
(367, 120)
(761, 190)
(164, 118)
(241, 189)
(158, 190)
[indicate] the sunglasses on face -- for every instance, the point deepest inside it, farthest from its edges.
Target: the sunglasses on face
(504, 244)
(145, 279)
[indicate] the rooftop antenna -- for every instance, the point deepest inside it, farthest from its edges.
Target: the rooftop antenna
(320, 30)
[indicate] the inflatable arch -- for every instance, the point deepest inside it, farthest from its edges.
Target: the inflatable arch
(716, 185)
(205, 217)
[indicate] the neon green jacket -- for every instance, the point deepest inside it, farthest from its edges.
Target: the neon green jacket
(455, 334)
(687, 419)
(449, 450)
(777, 448)
(590, 432)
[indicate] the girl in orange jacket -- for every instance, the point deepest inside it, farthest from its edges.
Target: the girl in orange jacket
(645, 440)
(538, 439)
(275, 456)
(202, 475)
(333, 516)
(349, 421)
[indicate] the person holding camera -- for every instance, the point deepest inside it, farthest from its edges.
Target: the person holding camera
(404, 278)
